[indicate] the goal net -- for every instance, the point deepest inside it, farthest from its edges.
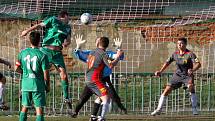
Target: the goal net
(148, 29)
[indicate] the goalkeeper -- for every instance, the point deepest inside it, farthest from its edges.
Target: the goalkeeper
(87, 93)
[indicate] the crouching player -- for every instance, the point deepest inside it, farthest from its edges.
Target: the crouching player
(33, 65)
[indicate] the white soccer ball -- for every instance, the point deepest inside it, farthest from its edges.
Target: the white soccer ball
(86, 18)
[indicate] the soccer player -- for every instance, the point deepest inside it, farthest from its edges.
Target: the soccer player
(97, 60)
(186, 63)
(87, 93)
(2, 85)
(57, 35)
(34, 67)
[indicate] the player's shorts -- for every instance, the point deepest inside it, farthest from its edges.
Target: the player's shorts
(55, 57)
(177, 81)
(38, 99)
(1, 76)
(98, 88)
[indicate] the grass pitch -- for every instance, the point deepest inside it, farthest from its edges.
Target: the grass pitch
(120, 118)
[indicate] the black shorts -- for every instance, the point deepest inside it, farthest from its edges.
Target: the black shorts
(178, 80)
(1, 76)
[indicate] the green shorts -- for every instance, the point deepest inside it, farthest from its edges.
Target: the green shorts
(55, 57)
(38, 99)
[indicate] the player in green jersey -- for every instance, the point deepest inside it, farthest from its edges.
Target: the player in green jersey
(57, 35)
(34, 67)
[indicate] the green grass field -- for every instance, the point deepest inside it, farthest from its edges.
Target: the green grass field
(121, 118)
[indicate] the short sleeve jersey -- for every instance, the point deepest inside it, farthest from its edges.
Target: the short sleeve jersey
(97, 60)
(183, 61)
(33, 62)
(55, 32)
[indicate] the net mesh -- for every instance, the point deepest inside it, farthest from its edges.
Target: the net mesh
(148, 28)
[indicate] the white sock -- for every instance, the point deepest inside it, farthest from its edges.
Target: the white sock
(193, 99)
(105, 108)
(1, 93)
(161, 102)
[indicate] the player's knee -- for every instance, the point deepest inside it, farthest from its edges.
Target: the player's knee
(24, 109)
(39, 110)
(98, 101)
(64, 76)
(191, 88)
(167, 90)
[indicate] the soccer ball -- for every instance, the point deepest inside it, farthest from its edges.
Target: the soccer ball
(86, 18)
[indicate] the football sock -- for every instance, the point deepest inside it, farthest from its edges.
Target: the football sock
(161, 102)
(105, 107)
(40, 118)
(65, 90)
(22, 116)
(193, 100)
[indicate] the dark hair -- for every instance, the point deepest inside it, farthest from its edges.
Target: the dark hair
(183, 39)
(34, 38)
(104, 42)
(63, 13)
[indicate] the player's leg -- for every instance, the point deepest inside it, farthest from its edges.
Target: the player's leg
(2, 89)
(162, 100)
(97, 105)
(193, 96)
(113, 94)
(39, 102)
(26, 102)
(23, 114)
(105, 107)
(58, 61)
(99, 88)
(85, 96)
(175, 83)
(64, 82)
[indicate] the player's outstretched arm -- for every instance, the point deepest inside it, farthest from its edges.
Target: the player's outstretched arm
(5, 62)
(158, 73)
(37, 26)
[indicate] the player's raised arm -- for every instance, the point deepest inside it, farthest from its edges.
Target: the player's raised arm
(37, 26)
(5, 62)
(119, 54)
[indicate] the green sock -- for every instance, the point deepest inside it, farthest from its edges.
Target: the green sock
(40, 118)
(65, 86)
(22, 116)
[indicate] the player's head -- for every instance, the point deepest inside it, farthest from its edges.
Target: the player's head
(64, 16)
(102, 42)
(34, 38)
(182, 43)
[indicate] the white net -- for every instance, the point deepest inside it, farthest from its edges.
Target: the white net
(148, 28)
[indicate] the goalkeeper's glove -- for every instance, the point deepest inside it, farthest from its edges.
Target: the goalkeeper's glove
(79, 41)
(117, 43)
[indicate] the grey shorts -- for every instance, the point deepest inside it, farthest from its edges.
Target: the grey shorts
(178, 80)
(99, 90)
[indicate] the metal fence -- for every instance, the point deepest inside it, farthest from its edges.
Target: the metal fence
(139, 92)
